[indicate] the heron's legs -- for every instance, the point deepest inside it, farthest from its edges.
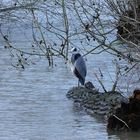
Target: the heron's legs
(78, 83)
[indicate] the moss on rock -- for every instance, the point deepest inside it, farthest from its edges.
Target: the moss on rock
(95, 101)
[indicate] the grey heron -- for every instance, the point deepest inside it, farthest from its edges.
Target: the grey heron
(78, 66)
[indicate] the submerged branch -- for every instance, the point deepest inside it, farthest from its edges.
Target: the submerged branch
(122, 121)
(100, 82)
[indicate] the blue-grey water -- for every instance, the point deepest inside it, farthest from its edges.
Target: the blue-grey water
(33, 104)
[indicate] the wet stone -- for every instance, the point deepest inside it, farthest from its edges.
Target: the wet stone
(92, 99)
(123, 114)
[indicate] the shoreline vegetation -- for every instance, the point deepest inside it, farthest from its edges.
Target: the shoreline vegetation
(90, 29)
(128, 26)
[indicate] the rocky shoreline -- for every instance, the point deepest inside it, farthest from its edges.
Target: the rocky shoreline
(122, 113)
(95, 101)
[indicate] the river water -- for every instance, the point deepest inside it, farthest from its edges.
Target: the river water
(33, 103)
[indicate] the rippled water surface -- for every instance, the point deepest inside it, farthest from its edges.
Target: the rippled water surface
(33, 103)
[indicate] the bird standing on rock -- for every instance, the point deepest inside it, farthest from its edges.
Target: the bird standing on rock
(78, 66)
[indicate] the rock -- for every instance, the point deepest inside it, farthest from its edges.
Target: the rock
(123, 114)
(94, 101)
(89, 85)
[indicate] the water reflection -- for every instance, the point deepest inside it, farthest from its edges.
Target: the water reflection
(123, 135)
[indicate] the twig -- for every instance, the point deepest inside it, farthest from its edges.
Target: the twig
(117, 77)
(66, 26)
(122, 121)
(100, 82)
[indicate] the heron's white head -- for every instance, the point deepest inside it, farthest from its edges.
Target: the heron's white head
(74, 50)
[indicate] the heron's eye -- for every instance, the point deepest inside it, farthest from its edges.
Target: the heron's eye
(75, 49)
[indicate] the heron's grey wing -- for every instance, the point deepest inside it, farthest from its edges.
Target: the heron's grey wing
(81, 66)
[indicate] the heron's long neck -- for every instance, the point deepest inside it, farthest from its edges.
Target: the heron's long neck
(76, 56)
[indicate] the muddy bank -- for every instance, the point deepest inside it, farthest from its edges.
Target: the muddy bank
(127, 116)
